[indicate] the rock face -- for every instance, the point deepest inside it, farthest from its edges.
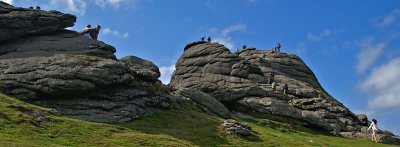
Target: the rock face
(233, 127)
(16, 22)
(240, 82)
(77, 76)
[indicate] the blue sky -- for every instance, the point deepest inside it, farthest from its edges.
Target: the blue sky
(353, 47)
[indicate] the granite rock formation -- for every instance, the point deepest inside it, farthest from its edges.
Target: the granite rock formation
(240, 82)
(44, 64)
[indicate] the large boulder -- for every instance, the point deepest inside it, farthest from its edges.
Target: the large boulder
(240, 82)
(16, 22)
(76, 76)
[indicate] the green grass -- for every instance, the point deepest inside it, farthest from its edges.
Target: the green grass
(183, 125)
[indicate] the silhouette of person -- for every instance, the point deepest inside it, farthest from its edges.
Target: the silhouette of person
(278, 47)
(209, 39)
(202, 38)
(244, 46)
(37, 8)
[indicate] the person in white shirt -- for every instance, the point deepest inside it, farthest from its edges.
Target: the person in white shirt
(374, 128)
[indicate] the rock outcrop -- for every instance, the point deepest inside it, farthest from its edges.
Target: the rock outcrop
(233, 127)
(44, 64)
(240, 82)
(16, 22)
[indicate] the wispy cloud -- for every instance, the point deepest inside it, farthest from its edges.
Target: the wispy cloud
(388, 19)
(115, 33)
(383, 87)
(313, 37)
(166, 73)
(369, 52)
(8, 1)
(253, 2)
(223, 37)
(115, 3)
(70, 6)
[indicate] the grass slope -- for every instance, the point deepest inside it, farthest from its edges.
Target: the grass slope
(184, 125)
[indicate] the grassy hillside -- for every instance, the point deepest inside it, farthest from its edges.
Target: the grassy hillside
(21, 124)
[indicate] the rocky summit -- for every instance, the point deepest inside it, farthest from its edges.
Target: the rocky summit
(239, 81)
(44, 64)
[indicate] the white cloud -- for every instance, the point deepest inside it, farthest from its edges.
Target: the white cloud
(227, 42)
(325, 33)
(383, 87)
(8, 1)
(389, 18)
(369, 52)
(223, 37)
(114, 3)
(108, 31)
(233, 28)
(166, 73)
(70, 6)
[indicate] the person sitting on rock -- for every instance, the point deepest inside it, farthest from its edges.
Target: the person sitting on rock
(374, 127)
(94, 33)
(209, 39)
(273, 86)
(285, 89)
(85, 32)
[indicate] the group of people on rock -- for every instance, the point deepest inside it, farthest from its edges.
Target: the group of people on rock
(208, 39)
(90, 32)
(271, 80)
(37, 7)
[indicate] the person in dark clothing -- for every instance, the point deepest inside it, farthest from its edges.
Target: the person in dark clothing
(244, 46)
(278, 47)
(285, 89)
(31, 7)
(37, 8)
(209, 39)
(271, 78)
(202, 38)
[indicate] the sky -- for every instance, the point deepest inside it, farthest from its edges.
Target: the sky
(353, 47)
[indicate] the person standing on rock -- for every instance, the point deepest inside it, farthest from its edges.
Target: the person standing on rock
(374, 127)
(285, 89)
(273, 86)
(202, 38)
(278, 47)
(209, 39)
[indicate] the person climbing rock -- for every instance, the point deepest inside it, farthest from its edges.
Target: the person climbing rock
(374, 128)
(209, 39)
(85, 32)
(285, 89)
(271, 77)
(273, 86)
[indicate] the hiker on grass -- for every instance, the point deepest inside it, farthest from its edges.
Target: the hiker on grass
(374, 127)
(285, 89)
(273, 86)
